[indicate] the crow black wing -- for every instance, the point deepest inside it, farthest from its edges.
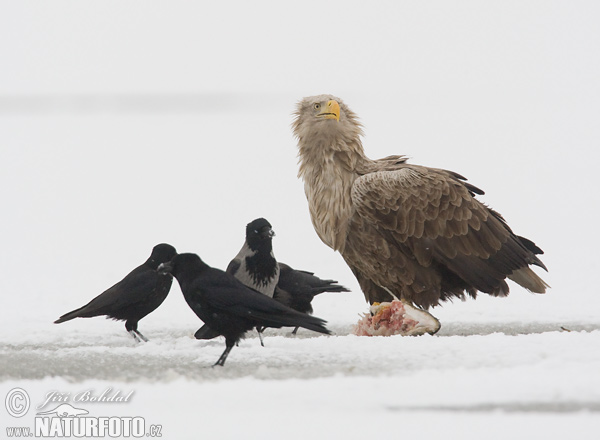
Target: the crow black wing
(132, 289)
(224, 294)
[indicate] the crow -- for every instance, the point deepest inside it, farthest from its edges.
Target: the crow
(135, 296)
(297, 288)
(227, 306)
(255, 265)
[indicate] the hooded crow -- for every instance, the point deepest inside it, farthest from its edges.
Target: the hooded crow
(229, 307)
(135, 296)
(255, 265)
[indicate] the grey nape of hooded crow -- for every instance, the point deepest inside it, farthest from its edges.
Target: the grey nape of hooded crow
(135, 296)
(297, 289)
(227, 306)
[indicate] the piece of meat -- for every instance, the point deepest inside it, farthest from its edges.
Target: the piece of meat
(396, 318)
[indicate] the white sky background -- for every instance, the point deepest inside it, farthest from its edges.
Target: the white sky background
(124, 124)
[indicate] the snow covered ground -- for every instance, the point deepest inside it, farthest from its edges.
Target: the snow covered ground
(472, 380)
(121, 128)
(481, 376)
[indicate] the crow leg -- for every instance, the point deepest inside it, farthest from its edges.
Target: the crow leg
(221, 361)
(142, 337)
(131, 328)
(260, 331)
(135, 336)
(295, 330)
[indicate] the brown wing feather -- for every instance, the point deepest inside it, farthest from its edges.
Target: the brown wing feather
(437, 240)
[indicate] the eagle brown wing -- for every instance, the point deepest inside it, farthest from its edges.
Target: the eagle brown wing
(449, 241)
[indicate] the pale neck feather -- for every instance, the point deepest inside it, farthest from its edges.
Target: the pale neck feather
(329, 170)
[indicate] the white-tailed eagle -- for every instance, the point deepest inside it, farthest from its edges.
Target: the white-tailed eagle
(410, 232)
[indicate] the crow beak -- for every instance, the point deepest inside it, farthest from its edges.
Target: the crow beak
(265, 232)
(165, 268)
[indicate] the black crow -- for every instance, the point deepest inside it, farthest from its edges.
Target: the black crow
(297, 288)
(229, 307)
(135, 296)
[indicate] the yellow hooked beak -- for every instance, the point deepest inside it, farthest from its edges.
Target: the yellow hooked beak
(330, 111)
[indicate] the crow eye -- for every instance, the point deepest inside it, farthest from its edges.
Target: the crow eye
(317, 106)
(256, 231)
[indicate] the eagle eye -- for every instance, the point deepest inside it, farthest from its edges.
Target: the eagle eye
(317, 106)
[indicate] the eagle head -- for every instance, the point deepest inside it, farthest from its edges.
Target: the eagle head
(325, 117)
